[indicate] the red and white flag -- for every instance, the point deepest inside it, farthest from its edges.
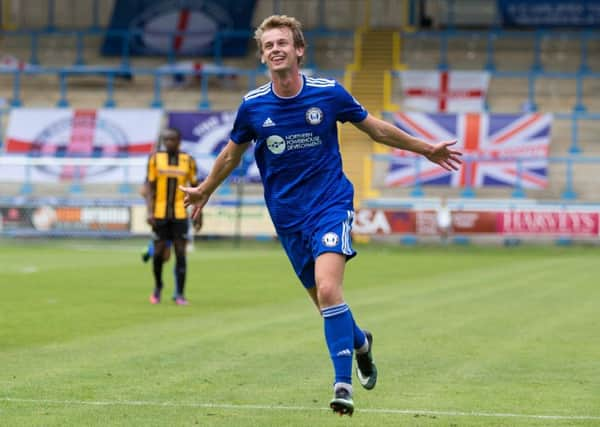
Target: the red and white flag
(81, 134)
(444, 91)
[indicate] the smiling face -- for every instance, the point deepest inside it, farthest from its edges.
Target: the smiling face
(278, 50)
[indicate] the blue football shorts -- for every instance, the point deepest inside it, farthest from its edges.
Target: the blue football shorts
(331, 233)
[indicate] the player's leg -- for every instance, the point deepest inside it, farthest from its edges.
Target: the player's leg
(299, 249)
(332, 248)
(179, 245)
(167, 250)
(361, 343)
(366, 371)
(338, 326)
(149, 252)
(157, 266)
(180, 270)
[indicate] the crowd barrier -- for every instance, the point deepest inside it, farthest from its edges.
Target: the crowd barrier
(127, 173)
(569, 191)
(129, 170)
(125, 58)
(110, 73)
(93, 218)
(580, 110)
(442, 37)
(407, 221)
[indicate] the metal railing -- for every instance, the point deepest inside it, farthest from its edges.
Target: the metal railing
(569, 192)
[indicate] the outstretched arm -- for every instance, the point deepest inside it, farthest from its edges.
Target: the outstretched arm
(388, 134)
(227, 160)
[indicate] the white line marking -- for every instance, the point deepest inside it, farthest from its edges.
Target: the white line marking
(297, 408)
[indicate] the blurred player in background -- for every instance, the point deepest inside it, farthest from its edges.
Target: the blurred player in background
(166, 212)
(293, 121)
(149, 251)
(443, 218)
(194, 226)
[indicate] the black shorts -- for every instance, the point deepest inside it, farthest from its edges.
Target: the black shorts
(171, 229)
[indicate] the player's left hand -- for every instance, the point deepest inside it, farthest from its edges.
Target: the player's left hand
(196, 197)
(444, 156)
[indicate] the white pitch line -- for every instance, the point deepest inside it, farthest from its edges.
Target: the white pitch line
(298, 408)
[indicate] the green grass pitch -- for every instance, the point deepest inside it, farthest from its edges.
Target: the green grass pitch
(464, 336)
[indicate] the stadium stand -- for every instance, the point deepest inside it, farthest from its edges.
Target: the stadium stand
(367, 45)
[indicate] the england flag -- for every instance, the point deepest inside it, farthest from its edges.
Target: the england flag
(444, 91)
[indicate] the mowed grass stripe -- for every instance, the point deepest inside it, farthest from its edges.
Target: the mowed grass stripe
(251, 407)
(505, 327)
(466, 331)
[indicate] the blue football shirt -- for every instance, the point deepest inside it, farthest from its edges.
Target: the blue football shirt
(297, 149)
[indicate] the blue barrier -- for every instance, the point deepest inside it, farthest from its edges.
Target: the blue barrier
(127, 35)
(110, 73)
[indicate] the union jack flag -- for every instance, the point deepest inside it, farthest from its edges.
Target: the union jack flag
(498, 150)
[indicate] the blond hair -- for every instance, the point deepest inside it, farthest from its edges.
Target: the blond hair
(279, 21)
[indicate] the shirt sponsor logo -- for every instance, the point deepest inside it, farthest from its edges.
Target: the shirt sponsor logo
(297, 141)
(276, 144)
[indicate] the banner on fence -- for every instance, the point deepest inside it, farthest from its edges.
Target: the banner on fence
(158, 27)
(204, 134)
(550, 13)
(498, 150)
(65, 219)
(433, 91)
(220, 220)
(526, 223)
(71, 133)
(548, 222)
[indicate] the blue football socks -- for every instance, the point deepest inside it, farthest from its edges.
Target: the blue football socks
(150, 249)
(360, 339)
(339, 334)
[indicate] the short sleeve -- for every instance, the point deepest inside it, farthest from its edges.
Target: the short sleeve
(193, 172)
(242, 131)
(348, 108)
(151, 168)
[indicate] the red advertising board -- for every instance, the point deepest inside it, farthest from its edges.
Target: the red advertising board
(548, 223)
(474, 222)
(501, 222)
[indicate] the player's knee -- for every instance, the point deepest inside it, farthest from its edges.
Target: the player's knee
(329, 293)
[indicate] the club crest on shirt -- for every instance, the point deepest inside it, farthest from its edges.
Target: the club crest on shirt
(314, 115)
(330, 239)
(276, 144)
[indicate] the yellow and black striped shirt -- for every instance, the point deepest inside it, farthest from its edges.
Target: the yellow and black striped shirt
(166, 172)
